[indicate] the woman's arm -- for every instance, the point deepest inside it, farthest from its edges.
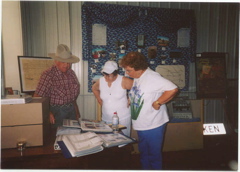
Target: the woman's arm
(164, 98)
(96, 92)
(127, 83)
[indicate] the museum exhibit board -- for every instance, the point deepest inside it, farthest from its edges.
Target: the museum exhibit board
(167, 37)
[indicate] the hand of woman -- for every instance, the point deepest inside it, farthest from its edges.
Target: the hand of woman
(129, 103)
(100, 101)
(156, 105)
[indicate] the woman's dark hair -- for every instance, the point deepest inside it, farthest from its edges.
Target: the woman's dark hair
(134, 60)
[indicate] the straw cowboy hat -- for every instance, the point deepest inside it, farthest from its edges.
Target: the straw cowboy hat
(63, 54)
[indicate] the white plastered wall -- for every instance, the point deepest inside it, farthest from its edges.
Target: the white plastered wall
(12, 42)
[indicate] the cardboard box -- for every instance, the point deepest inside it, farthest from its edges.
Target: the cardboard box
(183, 136)
(25, 122)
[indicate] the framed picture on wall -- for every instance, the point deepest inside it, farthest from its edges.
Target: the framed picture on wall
(8, 91)
(211, 75)
(30, 70)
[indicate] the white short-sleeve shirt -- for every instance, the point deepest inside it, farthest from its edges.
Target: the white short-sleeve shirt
(147, 89)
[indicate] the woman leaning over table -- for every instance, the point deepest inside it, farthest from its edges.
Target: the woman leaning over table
(111, 93)
(148, 96)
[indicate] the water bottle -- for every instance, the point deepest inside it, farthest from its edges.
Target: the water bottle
(115, 122)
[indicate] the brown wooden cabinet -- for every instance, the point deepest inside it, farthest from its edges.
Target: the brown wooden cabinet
(25, 122)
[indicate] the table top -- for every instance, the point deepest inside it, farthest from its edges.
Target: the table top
(46, 149)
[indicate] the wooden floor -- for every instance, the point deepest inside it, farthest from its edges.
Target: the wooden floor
(220, 152)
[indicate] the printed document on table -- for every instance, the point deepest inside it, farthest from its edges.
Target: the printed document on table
(110, 140)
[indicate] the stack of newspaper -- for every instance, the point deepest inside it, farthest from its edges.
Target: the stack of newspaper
(64, 131)
(110, 140)
(16, 99)
(77, 145)
(87, 125)
(74, 143)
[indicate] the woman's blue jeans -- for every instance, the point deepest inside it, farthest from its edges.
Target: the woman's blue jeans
(150, 147)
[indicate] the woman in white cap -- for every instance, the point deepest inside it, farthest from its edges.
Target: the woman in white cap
(60, 84)
(111, 93)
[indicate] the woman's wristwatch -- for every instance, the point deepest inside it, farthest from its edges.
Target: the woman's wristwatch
(158, 103)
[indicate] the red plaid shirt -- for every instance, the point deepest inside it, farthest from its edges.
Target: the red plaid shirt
(61, 88)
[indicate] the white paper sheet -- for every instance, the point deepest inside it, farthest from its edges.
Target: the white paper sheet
(183, 37)
(99, 34)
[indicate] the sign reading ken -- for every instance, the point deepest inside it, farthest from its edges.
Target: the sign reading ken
(213, 129)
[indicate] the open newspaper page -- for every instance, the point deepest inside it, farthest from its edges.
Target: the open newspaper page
(61, 130)
(110, 140)
(87, 125)
(64, 131)
(71, 123)
(95, 127)
(83, 144)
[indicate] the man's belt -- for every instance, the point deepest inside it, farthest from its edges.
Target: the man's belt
(64, 105)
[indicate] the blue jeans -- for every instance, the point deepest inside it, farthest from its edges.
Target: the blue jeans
(150, 147)
(62, 112)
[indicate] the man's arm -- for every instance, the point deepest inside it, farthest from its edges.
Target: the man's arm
(36, 95)
(51, 116)
(78, 115)
(96, 92)
(164, 98)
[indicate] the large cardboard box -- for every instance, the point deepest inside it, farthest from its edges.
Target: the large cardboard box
(25, 122)
(185, 135)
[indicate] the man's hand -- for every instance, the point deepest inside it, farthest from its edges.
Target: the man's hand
(78, 115)
(51, 118)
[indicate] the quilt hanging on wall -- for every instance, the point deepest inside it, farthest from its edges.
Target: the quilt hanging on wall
(164, 36)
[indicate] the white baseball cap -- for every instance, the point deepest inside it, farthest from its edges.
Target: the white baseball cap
(109, 67)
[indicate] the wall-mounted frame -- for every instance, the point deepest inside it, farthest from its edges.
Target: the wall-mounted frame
(30, 70)
(141, 41)
(211, 75)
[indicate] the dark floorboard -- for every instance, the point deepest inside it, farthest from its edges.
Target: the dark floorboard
(220, 153)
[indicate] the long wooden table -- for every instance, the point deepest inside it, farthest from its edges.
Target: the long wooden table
(45, 157)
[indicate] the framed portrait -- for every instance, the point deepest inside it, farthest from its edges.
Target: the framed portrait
(30, 70)
(211, 75)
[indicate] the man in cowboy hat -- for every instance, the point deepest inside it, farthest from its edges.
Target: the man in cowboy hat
(60, 84)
